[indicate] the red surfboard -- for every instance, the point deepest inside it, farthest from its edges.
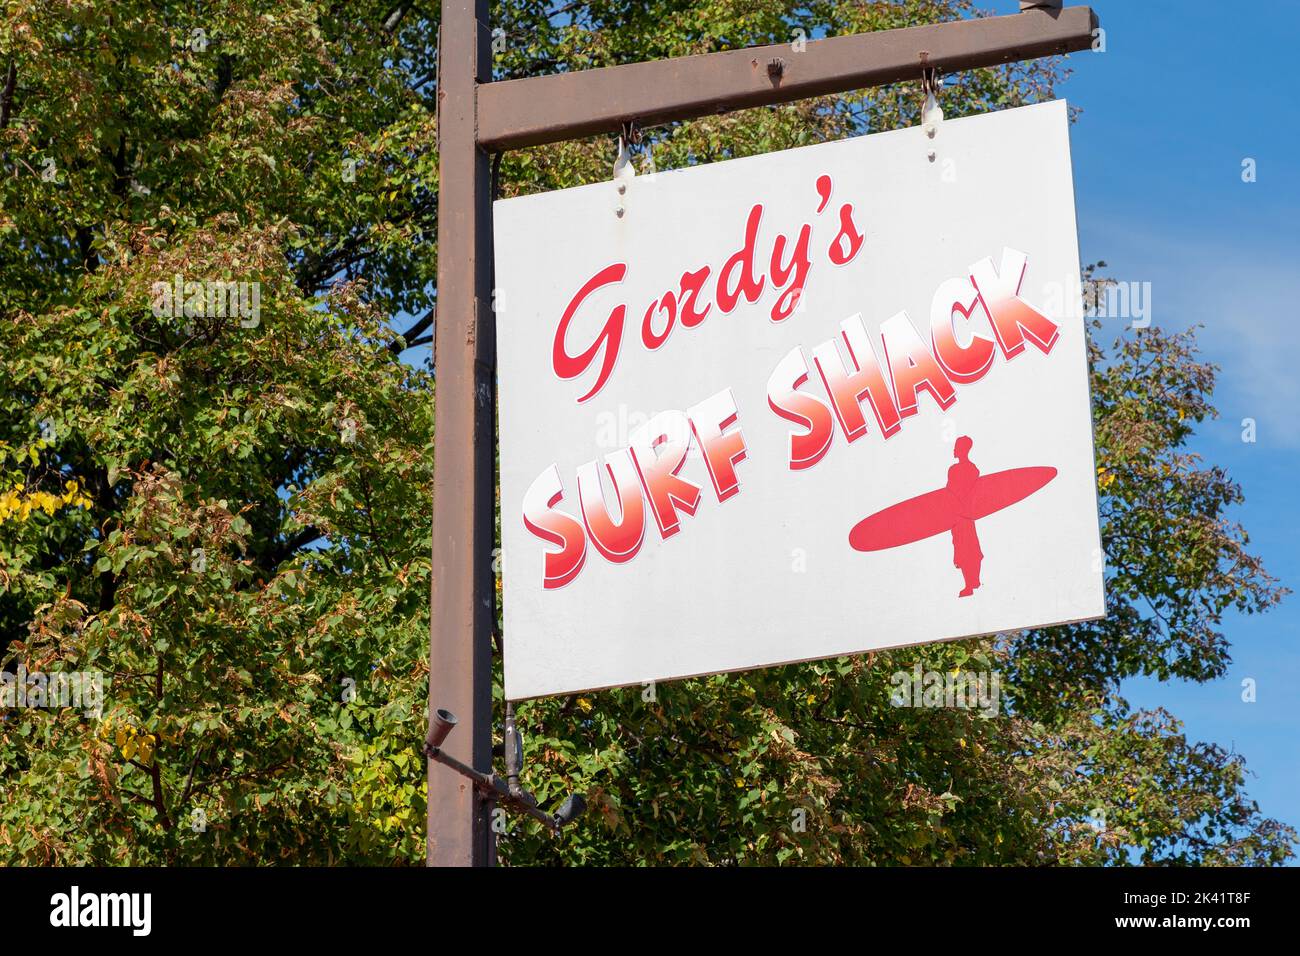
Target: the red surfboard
(937, 511)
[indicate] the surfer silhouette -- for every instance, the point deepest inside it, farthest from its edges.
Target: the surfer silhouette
(966, 553)
(968, 497)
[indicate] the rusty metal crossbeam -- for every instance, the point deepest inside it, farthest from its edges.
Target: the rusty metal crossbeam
(547, 109)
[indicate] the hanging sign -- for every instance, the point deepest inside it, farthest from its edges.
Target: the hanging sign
(795, 406)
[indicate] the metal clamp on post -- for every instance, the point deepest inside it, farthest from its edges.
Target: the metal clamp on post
(490, 786)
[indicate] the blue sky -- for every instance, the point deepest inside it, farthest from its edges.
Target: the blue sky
(1185, 90)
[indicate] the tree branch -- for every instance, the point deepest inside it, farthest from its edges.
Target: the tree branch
(7, 94)
(408, 338)
(283, 551)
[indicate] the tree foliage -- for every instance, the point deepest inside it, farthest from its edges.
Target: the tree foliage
(230, 518)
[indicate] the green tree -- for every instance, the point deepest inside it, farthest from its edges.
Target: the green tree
(229, 515)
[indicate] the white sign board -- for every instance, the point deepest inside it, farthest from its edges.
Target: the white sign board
(795, 406)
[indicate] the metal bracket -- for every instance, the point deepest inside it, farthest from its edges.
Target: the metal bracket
(492, 788)
(630, 132)
(624, 168)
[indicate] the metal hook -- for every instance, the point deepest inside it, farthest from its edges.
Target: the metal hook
(931, 81)
(623, 168)
(623, 171)
(931, 112)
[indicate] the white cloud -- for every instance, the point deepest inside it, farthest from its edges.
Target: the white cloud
(1245, 295)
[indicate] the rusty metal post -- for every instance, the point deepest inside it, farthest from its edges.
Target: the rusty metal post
(464, 491)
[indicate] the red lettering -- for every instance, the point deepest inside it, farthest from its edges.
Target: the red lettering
(1013, 318)
(611, 334)
(848, 387)
(911, 366)
(747, 283)
(616, 542)
(722, 450)
(842, 255)
(554, 527)
(799, 266)
(963, 364)
(659, 451)
(804, 410)
(692, 283)
(668, 305)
